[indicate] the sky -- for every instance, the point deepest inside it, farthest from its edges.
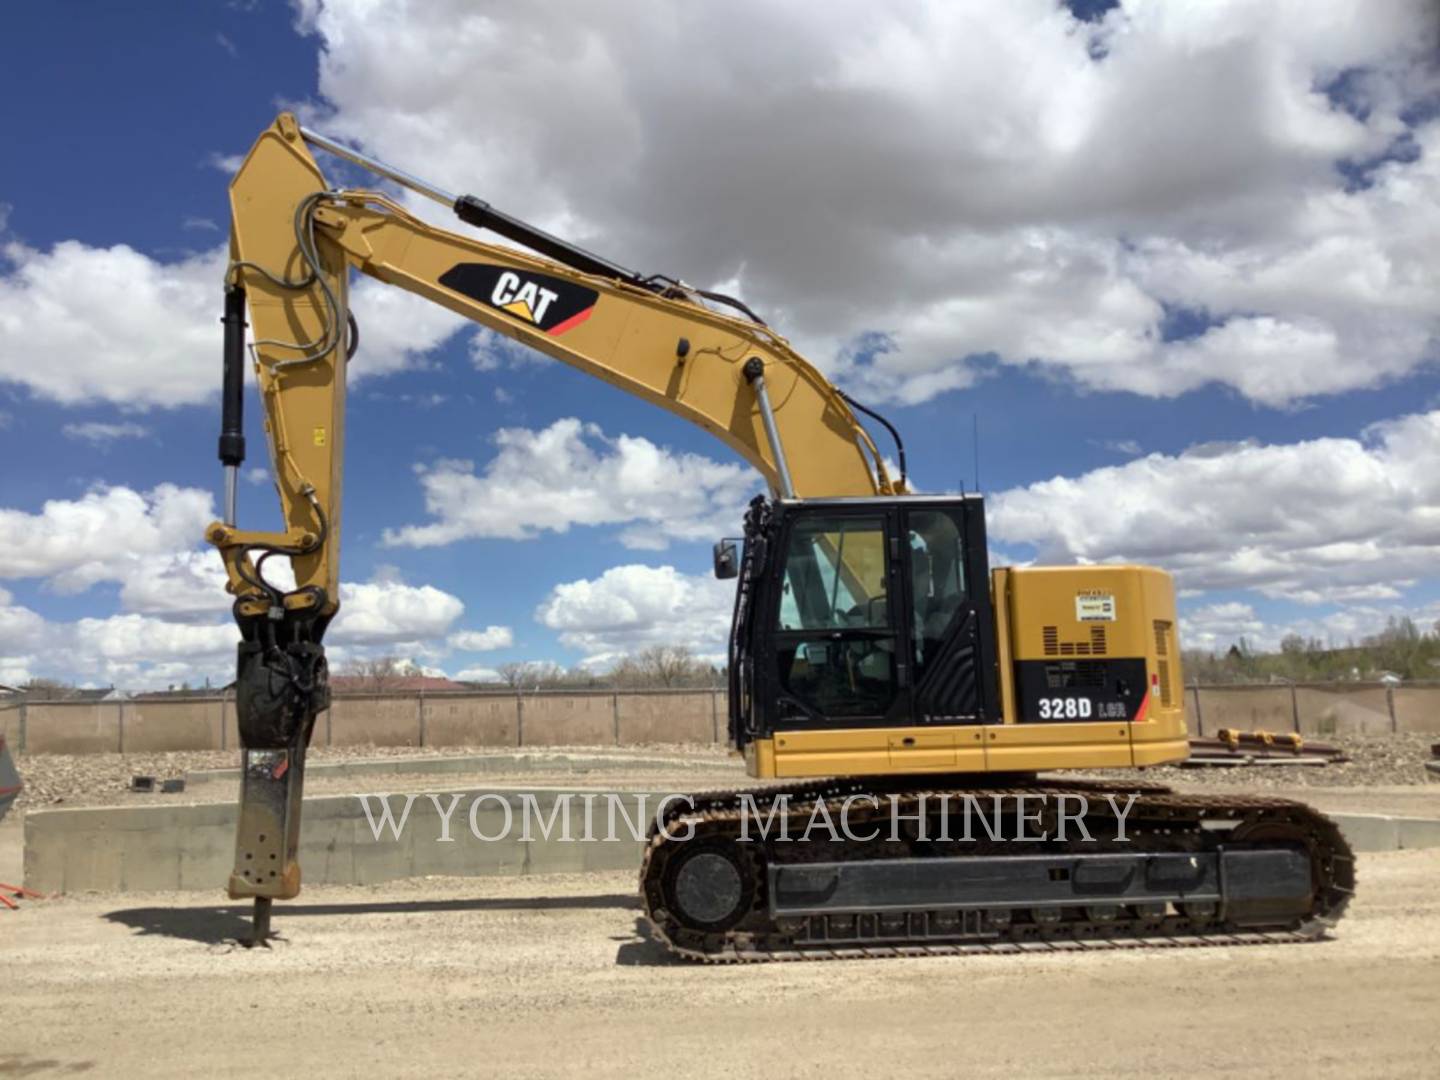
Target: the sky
(1175, 263)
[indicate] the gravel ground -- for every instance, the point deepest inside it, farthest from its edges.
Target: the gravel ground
(1377, 761)
(104, 779)
(554, 977)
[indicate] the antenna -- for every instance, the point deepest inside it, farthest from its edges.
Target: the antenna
(975, 446)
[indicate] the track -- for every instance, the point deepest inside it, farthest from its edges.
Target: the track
(1159, 825)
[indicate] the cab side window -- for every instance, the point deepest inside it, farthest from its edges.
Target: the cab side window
(937, 579)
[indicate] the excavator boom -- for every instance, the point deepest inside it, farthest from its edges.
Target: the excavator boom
(293, 238)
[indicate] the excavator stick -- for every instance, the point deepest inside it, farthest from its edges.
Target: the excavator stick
(282, 686)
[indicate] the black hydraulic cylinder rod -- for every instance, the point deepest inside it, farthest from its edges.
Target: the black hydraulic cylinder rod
(482, 215)
(232, 390)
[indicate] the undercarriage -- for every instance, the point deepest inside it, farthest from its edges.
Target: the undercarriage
(855, 868)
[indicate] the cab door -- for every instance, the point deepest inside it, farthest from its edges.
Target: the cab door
(836, 638)
(945, 597)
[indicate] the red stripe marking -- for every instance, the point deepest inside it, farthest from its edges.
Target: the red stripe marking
(572, 322)
(11, 790)
(281, 769)
(1144, 707)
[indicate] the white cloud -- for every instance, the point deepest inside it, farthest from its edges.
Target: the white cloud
(487, 640)
(628, 608)
(1325, 520)
(397, 328)
(140, 639)
(391, 612)
(15, 670)
(174, 621)
(108, 534)
(1215, 627)
(99, 433)
(81, 324)
(183, 637)
(962, 178)
(1123, 447)
(225, 163)
(21, 630)
(477, 674)
(572, 474)
(490, 351)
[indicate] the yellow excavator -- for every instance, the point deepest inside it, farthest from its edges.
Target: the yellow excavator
(880, 671)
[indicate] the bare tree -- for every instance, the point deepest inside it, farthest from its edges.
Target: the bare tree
(531, 674)
(382, 673)
(669, 666)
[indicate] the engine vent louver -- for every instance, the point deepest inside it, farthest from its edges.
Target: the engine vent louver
(1053, 646)
(1162, 663)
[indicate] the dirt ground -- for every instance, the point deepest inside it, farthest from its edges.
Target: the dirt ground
(542, 977)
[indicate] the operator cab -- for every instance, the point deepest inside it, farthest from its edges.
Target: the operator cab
(860, 612)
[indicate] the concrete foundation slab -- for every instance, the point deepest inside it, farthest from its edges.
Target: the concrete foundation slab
(1369, 832)
(1378, 832)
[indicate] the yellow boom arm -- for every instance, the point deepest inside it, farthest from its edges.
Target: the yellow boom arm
(658, 342)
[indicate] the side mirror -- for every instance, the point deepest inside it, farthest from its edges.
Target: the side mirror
(727, 560)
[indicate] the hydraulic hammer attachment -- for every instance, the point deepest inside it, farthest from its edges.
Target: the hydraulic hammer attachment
(281, 687)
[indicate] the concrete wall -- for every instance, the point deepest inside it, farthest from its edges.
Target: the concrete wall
(675, 718)
(630, 718)
(1416, 708)
(1324, 710)
(151, 848)
(1319, 709)
(597, 718)
(1247, 708)
(472, 720)
(71, 728)
(10, 725)
(172, 725)
(574, 719)
(381, 720)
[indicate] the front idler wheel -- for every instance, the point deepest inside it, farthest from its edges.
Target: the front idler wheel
(711, 887)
